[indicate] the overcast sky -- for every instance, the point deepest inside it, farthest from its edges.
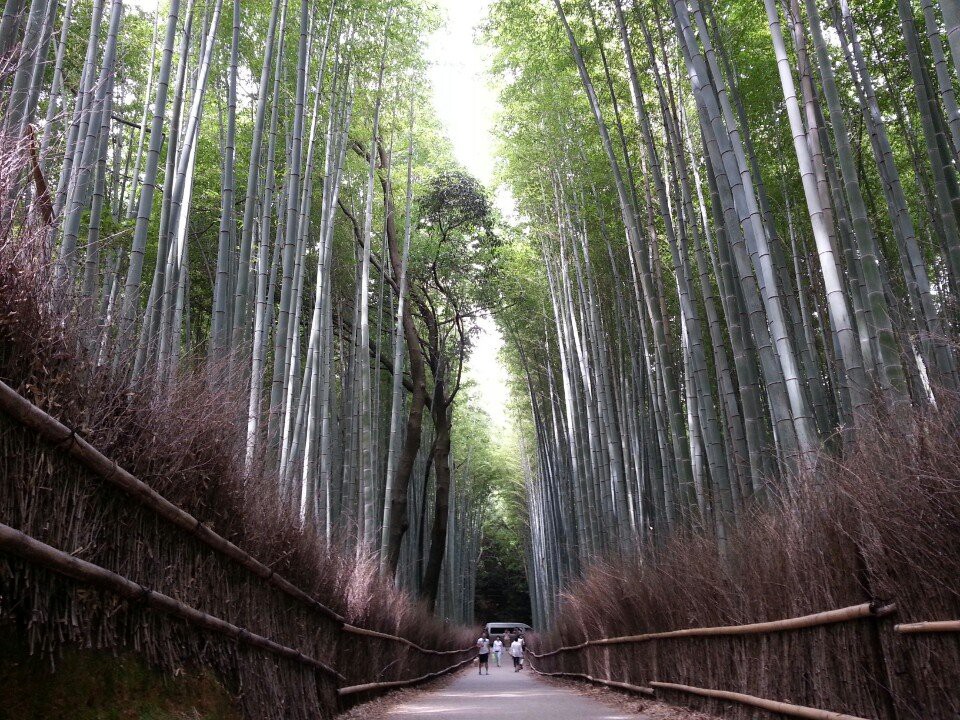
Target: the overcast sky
(466, 105)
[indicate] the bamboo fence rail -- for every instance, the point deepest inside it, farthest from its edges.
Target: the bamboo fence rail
(828, 617)
(354, 630)
(66, 439)
(931, 626)
(32, 550)
(783, 708)
(354, 689)
(602, 681)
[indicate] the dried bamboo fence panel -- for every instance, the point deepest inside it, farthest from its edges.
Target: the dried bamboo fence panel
(775, 706)
(27, 548)
(106, 518)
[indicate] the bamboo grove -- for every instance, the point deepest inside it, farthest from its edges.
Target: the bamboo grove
(258, 192)
(742, 219)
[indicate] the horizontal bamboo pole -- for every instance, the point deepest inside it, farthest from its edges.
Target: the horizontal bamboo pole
(353, 689)
(32, 550)
(58, 434)
(354, 630)
(932, 626)
(610, 683)
(853, 612)
(783, 708)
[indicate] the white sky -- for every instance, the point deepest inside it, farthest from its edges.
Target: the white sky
(466, 105)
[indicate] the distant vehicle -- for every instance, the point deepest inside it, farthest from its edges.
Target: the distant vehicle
(499, 629)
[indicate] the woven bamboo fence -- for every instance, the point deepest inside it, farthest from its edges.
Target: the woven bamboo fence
(91, 556)
(841, 602)
(636, 662)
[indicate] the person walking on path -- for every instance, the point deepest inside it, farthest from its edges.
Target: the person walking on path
(483, 654)
(497, 650)
(516, 652)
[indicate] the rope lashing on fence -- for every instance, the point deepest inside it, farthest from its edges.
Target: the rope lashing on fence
(32, 550)
(853, 612)
(57, 434)
(783, 708)
(353, 689)
(931, 626)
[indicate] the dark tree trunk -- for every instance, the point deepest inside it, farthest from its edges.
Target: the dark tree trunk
(414, 430)
(441, 463)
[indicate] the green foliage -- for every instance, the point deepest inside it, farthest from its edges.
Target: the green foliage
(490, 459)
(457, 244)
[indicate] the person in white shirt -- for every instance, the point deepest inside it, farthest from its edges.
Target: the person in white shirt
(497, 650)
(483, 652)
(516, 652)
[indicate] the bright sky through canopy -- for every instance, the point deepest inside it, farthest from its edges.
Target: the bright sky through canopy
(466, 105)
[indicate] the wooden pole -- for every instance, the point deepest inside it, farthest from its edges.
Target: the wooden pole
(353, 689)
(610, 683)
(935, 626)
(853, 612)
(353, 629)
(783, 708)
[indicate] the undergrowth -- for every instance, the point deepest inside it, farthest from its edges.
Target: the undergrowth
(880, 525)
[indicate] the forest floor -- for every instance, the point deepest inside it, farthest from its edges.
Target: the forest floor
(523, 696)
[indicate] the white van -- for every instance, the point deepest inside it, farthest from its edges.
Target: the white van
(499, 629)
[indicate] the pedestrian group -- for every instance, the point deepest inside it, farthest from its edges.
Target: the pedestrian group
(514, 642)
